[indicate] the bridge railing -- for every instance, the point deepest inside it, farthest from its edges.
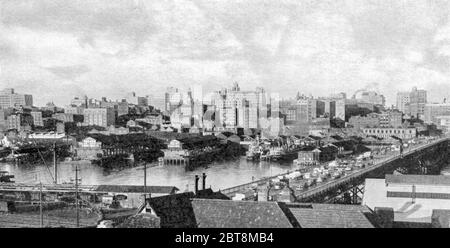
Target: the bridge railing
(361, 172)
(319, 188)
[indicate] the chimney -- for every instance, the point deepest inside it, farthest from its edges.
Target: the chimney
(204, 181)
(196, 184)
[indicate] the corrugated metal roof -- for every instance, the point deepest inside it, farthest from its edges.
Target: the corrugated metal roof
(418, 179)
(238, 214)
(330, 218)
(136, 189)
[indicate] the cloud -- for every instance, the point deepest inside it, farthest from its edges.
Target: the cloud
(69, 72)
(317, 47)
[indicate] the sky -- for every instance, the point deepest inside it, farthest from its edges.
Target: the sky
(56, 50)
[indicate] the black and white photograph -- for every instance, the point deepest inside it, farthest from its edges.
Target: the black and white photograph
(257, 115)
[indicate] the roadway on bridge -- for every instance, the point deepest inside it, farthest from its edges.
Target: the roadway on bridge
(379, 162)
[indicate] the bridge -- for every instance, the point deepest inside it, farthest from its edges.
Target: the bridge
(350, 188)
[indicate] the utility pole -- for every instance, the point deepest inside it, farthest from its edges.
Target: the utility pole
(55, 166)
(40, 205)
(145, 182)
(76, 196)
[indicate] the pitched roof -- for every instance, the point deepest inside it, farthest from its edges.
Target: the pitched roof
(174, 211)
(330, 218)
(418, 179)
(137, 189)
(238, 214)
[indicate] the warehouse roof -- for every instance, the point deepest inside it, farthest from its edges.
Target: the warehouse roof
(418, 179)
(238, 214)
(330, 218)
(137, 189)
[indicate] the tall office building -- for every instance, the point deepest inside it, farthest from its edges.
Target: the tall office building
(103, 117)
(402, 101)
(79, 101)
(9, 99)
(373, 98)
(412, 103)
(434, 110)
(417, 101)
(240, 109)
(19, 122)
(158, 101)
(37, 118)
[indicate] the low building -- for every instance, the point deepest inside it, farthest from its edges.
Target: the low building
(311, 156)
(185, 149)
(186, 211)
(412, 197)
(403, 133)
(89, 148)
(360, 122)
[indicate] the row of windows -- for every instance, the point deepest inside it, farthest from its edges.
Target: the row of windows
(418, 195)
(390, 131)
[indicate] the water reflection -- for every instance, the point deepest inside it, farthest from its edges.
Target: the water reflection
(220, 174)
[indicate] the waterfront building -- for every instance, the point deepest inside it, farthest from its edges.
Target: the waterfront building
(311, 155)
(403, 133)
(189, 149)
(10, 99)
(89, 148)
(412, 197)
(99, 117)
(385, 120)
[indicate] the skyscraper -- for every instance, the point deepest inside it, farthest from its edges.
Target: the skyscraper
(9, 99)
(412, 103)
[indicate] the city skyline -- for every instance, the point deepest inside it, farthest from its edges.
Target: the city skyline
(63, 49)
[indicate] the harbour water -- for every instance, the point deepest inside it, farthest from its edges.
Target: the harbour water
(220, 175)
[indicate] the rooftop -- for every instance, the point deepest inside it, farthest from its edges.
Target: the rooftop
(330, 217)
(137, 189)
(211, 213)
(418, 179)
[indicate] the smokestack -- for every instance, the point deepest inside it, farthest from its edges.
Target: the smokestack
(204, 181)
(196, 184)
